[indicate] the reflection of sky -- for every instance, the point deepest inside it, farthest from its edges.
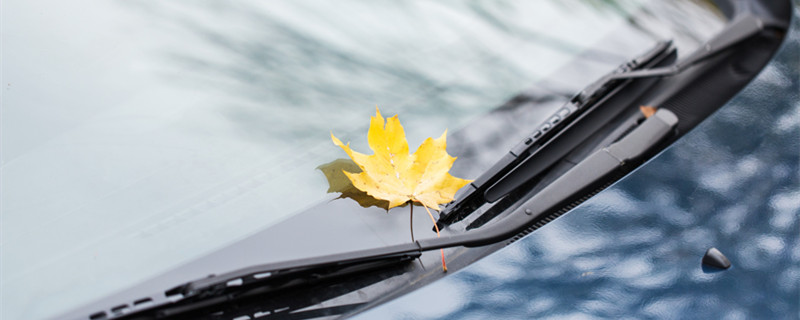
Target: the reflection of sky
(634, 250)
(142, 123)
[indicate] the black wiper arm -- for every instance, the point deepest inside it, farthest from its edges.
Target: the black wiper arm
(584, 177)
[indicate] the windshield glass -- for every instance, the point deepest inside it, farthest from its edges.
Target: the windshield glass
(139, 135)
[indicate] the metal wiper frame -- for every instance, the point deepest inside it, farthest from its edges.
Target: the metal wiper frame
(746, 44)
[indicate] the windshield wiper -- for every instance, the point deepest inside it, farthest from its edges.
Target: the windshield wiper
(621, 145)
(275, 277)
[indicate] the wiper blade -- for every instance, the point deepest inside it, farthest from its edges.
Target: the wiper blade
(309, 269)
(579, 118)
(265, 280)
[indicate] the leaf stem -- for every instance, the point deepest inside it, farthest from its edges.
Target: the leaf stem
(411, 220)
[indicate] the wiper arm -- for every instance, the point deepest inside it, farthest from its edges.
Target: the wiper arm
(571, 125)
(587, 174)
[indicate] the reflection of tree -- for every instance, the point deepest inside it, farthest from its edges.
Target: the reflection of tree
(634, 251)
(678, 18)
(489, 14)
(278, 71)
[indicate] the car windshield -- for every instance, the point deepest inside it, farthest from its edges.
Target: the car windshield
(139, 135)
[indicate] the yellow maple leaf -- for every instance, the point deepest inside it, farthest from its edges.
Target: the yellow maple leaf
(394, 175)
